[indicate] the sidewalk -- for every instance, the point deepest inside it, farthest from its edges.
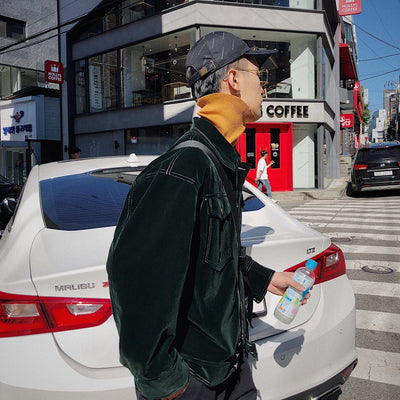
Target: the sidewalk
(334, 189)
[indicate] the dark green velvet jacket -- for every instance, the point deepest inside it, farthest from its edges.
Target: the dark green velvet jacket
(173, 270)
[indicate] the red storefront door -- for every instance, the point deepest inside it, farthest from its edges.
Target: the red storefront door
(277, 139)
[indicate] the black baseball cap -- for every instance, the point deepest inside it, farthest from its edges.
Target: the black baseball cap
(217, 49)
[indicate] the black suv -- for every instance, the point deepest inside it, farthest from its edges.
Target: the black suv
(377, 166)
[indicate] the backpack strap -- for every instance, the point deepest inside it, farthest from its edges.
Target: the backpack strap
(235, 212)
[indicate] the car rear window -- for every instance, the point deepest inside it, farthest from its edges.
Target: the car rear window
(85, 201)
(379, 153)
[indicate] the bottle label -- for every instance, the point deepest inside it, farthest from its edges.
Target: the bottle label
(290, 302)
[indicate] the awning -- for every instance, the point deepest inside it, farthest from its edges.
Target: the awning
(347, 70)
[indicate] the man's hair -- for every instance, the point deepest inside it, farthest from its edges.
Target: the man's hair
(263, 153)
(74, 149)
(211, 83)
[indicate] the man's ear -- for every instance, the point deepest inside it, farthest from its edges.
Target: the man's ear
(233, 83)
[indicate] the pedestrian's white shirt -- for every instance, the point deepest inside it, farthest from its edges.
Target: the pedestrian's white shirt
(262, 166)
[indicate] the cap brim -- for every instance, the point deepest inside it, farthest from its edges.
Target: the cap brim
(261, 55)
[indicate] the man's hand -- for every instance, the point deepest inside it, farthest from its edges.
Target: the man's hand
(281, 280)
(176, 394)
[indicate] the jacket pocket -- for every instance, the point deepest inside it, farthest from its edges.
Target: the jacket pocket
(220, 242)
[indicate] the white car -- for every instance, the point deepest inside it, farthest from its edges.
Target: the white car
(58, 339)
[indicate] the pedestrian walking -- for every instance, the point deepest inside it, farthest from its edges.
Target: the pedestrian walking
(178, 276)
(262, 173)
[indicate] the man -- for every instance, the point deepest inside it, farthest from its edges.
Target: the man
(176, 288)
(74, 153)
(262, 173)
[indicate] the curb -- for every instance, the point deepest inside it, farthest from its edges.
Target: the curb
(331, 193)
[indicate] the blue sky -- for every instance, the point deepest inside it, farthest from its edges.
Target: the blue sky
(382, 20)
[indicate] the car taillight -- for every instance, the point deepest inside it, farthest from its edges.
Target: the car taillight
(28, 315)
(358, 167)
(331, 264)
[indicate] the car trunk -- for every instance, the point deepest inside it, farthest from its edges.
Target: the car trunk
(65, 264)
(71, 264)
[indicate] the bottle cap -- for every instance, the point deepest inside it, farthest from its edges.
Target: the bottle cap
(311, 264)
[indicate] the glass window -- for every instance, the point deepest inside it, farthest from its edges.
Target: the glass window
(154, 71)
(291, 71)
(80, 87)
(378, 154)
(86, 201)
(153, 140)
(12, 28)
(28, 78)
(103, 82)
(5, 82)
(305, 4)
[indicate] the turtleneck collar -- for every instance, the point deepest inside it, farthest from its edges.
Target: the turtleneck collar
(227, 113)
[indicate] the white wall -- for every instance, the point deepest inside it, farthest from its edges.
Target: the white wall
(303, 157)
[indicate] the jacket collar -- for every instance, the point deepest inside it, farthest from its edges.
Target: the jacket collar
(226, 153)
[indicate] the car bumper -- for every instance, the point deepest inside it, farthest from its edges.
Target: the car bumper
(309, 358)
(308, 361)
(379, 186)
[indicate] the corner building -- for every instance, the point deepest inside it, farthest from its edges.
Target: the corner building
(125, 88)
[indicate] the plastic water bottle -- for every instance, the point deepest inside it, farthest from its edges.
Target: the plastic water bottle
(290, 302)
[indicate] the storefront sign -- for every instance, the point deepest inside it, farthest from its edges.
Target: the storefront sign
(287, 111)
(18, 121)
(54, 71)
(346, 120)
(349, 7)
(95, 88)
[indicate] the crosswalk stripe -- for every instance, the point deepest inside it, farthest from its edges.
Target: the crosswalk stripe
(379, 222)
(342, 215)
(358, 264)
(377, 366)
(354, 201)
(369, 249)
(361, 235)
(378, 321)
(385, 289)
(357, 211)
(362, 219)
(371, 228)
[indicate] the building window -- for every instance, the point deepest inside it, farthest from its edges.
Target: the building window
(305, 4)
(103, 86)
(12, 28)
(154, 71)
(80, 86)
(154, 139)
(5, 81)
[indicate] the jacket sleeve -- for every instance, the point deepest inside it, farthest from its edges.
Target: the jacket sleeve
(147, 265)
(259, 279)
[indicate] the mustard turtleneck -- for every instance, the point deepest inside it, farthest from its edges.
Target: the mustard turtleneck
(227, 113)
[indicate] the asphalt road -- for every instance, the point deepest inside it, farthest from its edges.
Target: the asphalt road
(367, 229)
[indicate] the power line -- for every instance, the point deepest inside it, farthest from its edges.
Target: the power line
(379, 58)
(384, 73)
(375, 37)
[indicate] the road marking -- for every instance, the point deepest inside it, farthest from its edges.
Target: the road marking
(378, 366)
(307, 214)
(362, 218)
(358, 226)
(361, 235)
(378, 321)
(386, 289)
(347, 207)
(358, 264)
(369, 249)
